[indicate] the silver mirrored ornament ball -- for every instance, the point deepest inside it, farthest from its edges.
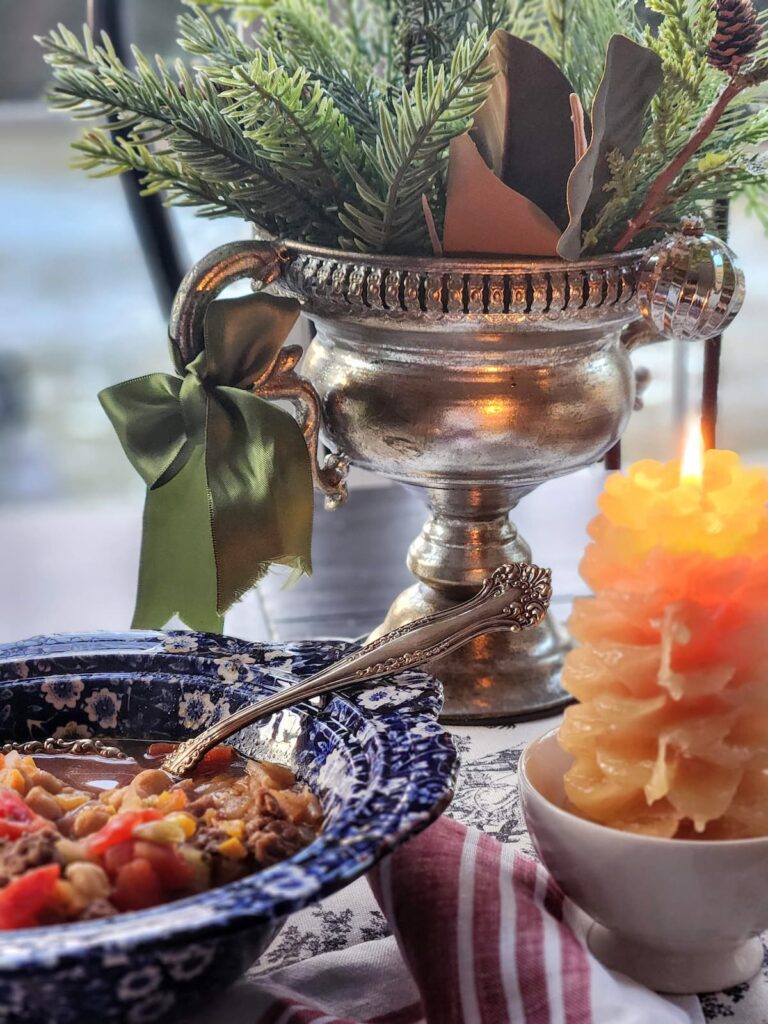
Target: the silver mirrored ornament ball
(690, 284)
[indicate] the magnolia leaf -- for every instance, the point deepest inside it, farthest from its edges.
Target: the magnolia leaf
(631, 79)
(483, 215)
(524, 130)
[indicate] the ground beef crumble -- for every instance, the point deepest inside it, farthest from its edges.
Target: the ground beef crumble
(32, 850)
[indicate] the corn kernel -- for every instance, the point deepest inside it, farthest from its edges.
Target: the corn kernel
(233, 849)
(172, 800)
(185, 822)
(68, 801)
(234, 829)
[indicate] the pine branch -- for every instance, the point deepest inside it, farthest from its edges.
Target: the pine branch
(241, 10)
(411, 150)
(296, 129)
(184, 114)
(428, 31)
(102, 156)
(214, 39)
(303, 36)
(294, 120)
(300, 36)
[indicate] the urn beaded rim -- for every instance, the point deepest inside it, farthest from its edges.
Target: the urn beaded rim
(481, 291)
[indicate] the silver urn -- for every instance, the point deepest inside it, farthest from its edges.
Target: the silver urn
(472, 380)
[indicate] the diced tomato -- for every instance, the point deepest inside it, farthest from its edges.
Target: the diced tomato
(117, 856)
(23, 898)
(161, 749)
(137, 886)
(174, 872)
(220, 757)
(16, 817)
(118, 829)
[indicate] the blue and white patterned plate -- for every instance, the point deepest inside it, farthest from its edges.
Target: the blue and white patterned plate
(381, 765)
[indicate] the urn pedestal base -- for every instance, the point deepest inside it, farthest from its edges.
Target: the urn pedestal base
(498, 677)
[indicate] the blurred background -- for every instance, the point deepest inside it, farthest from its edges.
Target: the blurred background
(79, 312)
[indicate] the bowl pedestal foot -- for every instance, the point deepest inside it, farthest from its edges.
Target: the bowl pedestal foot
(673, 972)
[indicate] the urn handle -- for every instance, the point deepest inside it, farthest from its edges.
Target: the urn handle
(262, 263)
(689, 286)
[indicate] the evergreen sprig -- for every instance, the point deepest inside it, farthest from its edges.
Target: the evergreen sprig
(294, 120)
(303, 36)
(411, 150)
(184, 115)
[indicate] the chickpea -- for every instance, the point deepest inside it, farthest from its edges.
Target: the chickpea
(40, 777)
(44, 803)
(89, 880)
(68, 851)
(151, 782)
(90, 819)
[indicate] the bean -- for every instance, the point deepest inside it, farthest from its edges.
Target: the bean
(44, 803)
(68, 851)
(90, 819)
(90, 881)
(40, 777)
(151, 782)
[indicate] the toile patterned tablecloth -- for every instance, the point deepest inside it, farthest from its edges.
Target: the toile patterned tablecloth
(487, 799)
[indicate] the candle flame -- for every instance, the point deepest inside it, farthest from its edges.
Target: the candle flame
(692, 462)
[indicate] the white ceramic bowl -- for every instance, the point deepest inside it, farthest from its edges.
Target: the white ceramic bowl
(676, 915)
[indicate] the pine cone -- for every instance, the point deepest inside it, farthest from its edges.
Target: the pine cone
(736, 36)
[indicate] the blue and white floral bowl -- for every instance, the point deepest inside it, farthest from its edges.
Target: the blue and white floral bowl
(381, 765)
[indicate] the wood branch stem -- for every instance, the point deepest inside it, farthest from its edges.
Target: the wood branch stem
(579, 131)
(654, 200)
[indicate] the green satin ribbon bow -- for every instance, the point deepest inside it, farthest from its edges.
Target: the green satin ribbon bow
(228, 473)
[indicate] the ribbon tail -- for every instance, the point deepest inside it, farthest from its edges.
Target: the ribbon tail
(260, 482)
(177, 569)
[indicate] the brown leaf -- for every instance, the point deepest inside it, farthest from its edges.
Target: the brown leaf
(483, 215)
(523, 130)
(630, 81)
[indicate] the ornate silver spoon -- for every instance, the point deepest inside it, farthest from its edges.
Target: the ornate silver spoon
(514, 597)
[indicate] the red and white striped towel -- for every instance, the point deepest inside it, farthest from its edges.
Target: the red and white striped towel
(481, 935)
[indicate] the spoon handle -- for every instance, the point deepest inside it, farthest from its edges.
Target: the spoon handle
(514, 597)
